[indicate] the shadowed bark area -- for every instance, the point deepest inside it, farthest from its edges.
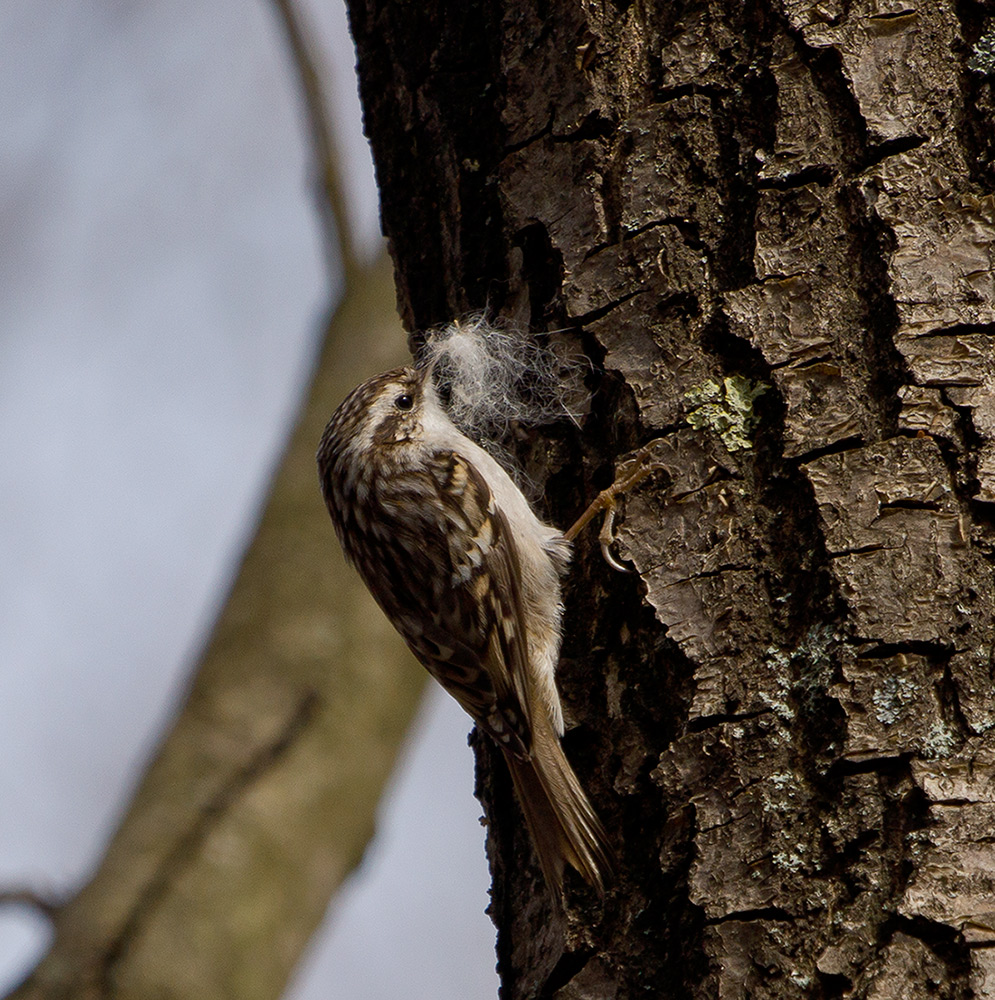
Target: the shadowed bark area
(772, 227)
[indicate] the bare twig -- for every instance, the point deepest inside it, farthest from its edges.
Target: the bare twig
(48, 906)
(340, 243)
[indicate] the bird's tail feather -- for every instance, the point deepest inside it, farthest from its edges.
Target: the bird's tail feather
(560, 817)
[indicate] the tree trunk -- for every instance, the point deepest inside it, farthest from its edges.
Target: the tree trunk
(771, 227)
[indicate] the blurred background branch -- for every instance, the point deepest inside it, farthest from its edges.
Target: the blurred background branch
(330, 199)
(261, 798)
(47, 906)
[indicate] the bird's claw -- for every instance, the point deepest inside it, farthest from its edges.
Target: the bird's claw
(607, 538)
(631, 473)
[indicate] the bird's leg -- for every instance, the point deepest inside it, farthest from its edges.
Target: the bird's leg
(631, 474)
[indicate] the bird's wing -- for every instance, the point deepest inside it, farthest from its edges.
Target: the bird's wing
(450, 584)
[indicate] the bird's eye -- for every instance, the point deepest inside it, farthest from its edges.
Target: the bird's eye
(404, 402)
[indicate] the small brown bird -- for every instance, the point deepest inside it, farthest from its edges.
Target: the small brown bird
(451, 550)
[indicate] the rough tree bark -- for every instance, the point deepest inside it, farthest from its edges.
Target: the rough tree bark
(772, 227)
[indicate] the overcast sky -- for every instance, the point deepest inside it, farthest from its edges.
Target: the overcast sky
(161, 283)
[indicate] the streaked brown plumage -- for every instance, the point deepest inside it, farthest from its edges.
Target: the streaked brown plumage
(468, 575)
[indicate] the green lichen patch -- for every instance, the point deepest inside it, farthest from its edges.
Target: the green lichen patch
(726, 408)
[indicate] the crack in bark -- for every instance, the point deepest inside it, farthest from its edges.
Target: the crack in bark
(881, 151)
(863, 550)
(677, 221)
(886, 650)
(908, 504)
(957, 330)
(705, 722)
(773, 913)
(890, 764)
(703, 575)
(821, 175)
(516, 147)
(834, 448)
(594, 126)
(595, 314)
(892, 15)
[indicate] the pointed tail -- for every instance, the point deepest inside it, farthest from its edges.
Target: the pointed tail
(560, 817)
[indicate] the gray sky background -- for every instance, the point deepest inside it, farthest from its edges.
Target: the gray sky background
(161, 282)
